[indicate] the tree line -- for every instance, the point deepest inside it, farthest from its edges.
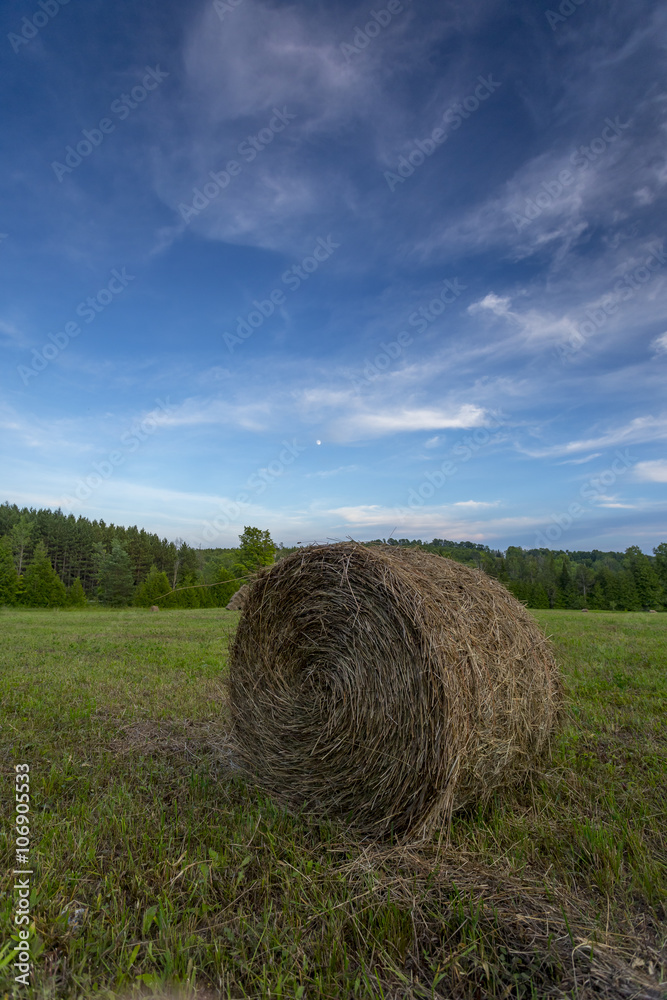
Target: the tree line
(542, 578)
(50, 559)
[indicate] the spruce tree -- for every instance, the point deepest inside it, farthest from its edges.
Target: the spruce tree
(115, 576)
(645, 577)
(43, 588)
(154, 586)
(226, 587)
(564, 594)
(76, 595)
(660, 552)
(9, 578)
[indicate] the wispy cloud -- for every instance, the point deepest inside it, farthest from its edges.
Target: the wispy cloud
(654, 471)
(659, 345)
(433, 521)
(11, 331)
(581, 461)
(365, 424)
(328, 473)
(641, 429)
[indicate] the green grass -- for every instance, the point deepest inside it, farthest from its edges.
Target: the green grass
(183, 875)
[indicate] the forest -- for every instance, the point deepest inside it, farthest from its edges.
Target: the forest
(48, 558)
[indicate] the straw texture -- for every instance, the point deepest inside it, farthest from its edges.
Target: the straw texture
(387, 687)
(238, 598)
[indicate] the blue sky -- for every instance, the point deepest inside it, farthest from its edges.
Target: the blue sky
(336, 269)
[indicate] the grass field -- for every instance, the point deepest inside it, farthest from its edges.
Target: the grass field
(154, 864)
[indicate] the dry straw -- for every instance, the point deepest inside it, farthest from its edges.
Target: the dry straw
(238, 598)
(387, 687)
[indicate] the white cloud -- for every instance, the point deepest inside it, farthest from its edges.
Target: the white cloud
(476, 503)
(581, 461)
(659, 345)
(10, 330)
(235, 74)
(438, 522)
(193, 412)
(532, 328)
(639, 430)
(495, 303)
(622, 506)
(654, 471)
(327, 473)
(405, 419)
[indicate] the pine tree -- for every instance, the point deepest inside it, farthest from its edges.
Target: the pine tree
(645, 577)
(660, 552)
(43, 586)
(154, 586)
(226, 587)
(538, 596)
(564, 594)
(9, 578)
(549, 579)
(115, 576)
(76, 595)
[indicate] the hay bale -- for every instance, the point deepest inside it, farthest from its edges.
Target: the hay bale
(238, 599)
(387, 687)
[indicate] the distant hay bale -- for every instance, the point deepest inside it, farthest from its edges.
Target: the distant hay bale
(387, 687)
(238, 599)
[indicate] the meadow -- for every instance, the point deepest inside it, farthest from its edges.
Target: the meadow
(157, 867)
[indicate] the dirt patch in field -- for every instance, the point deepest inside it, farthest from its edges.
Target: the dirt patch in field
(158, 738)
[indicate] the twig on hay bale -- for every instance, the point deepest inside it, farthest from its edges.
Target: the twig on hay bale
(387, 687)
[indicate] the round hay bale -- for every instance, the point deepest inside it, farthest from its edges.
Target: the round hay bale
(387, 687)
(238, 599)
